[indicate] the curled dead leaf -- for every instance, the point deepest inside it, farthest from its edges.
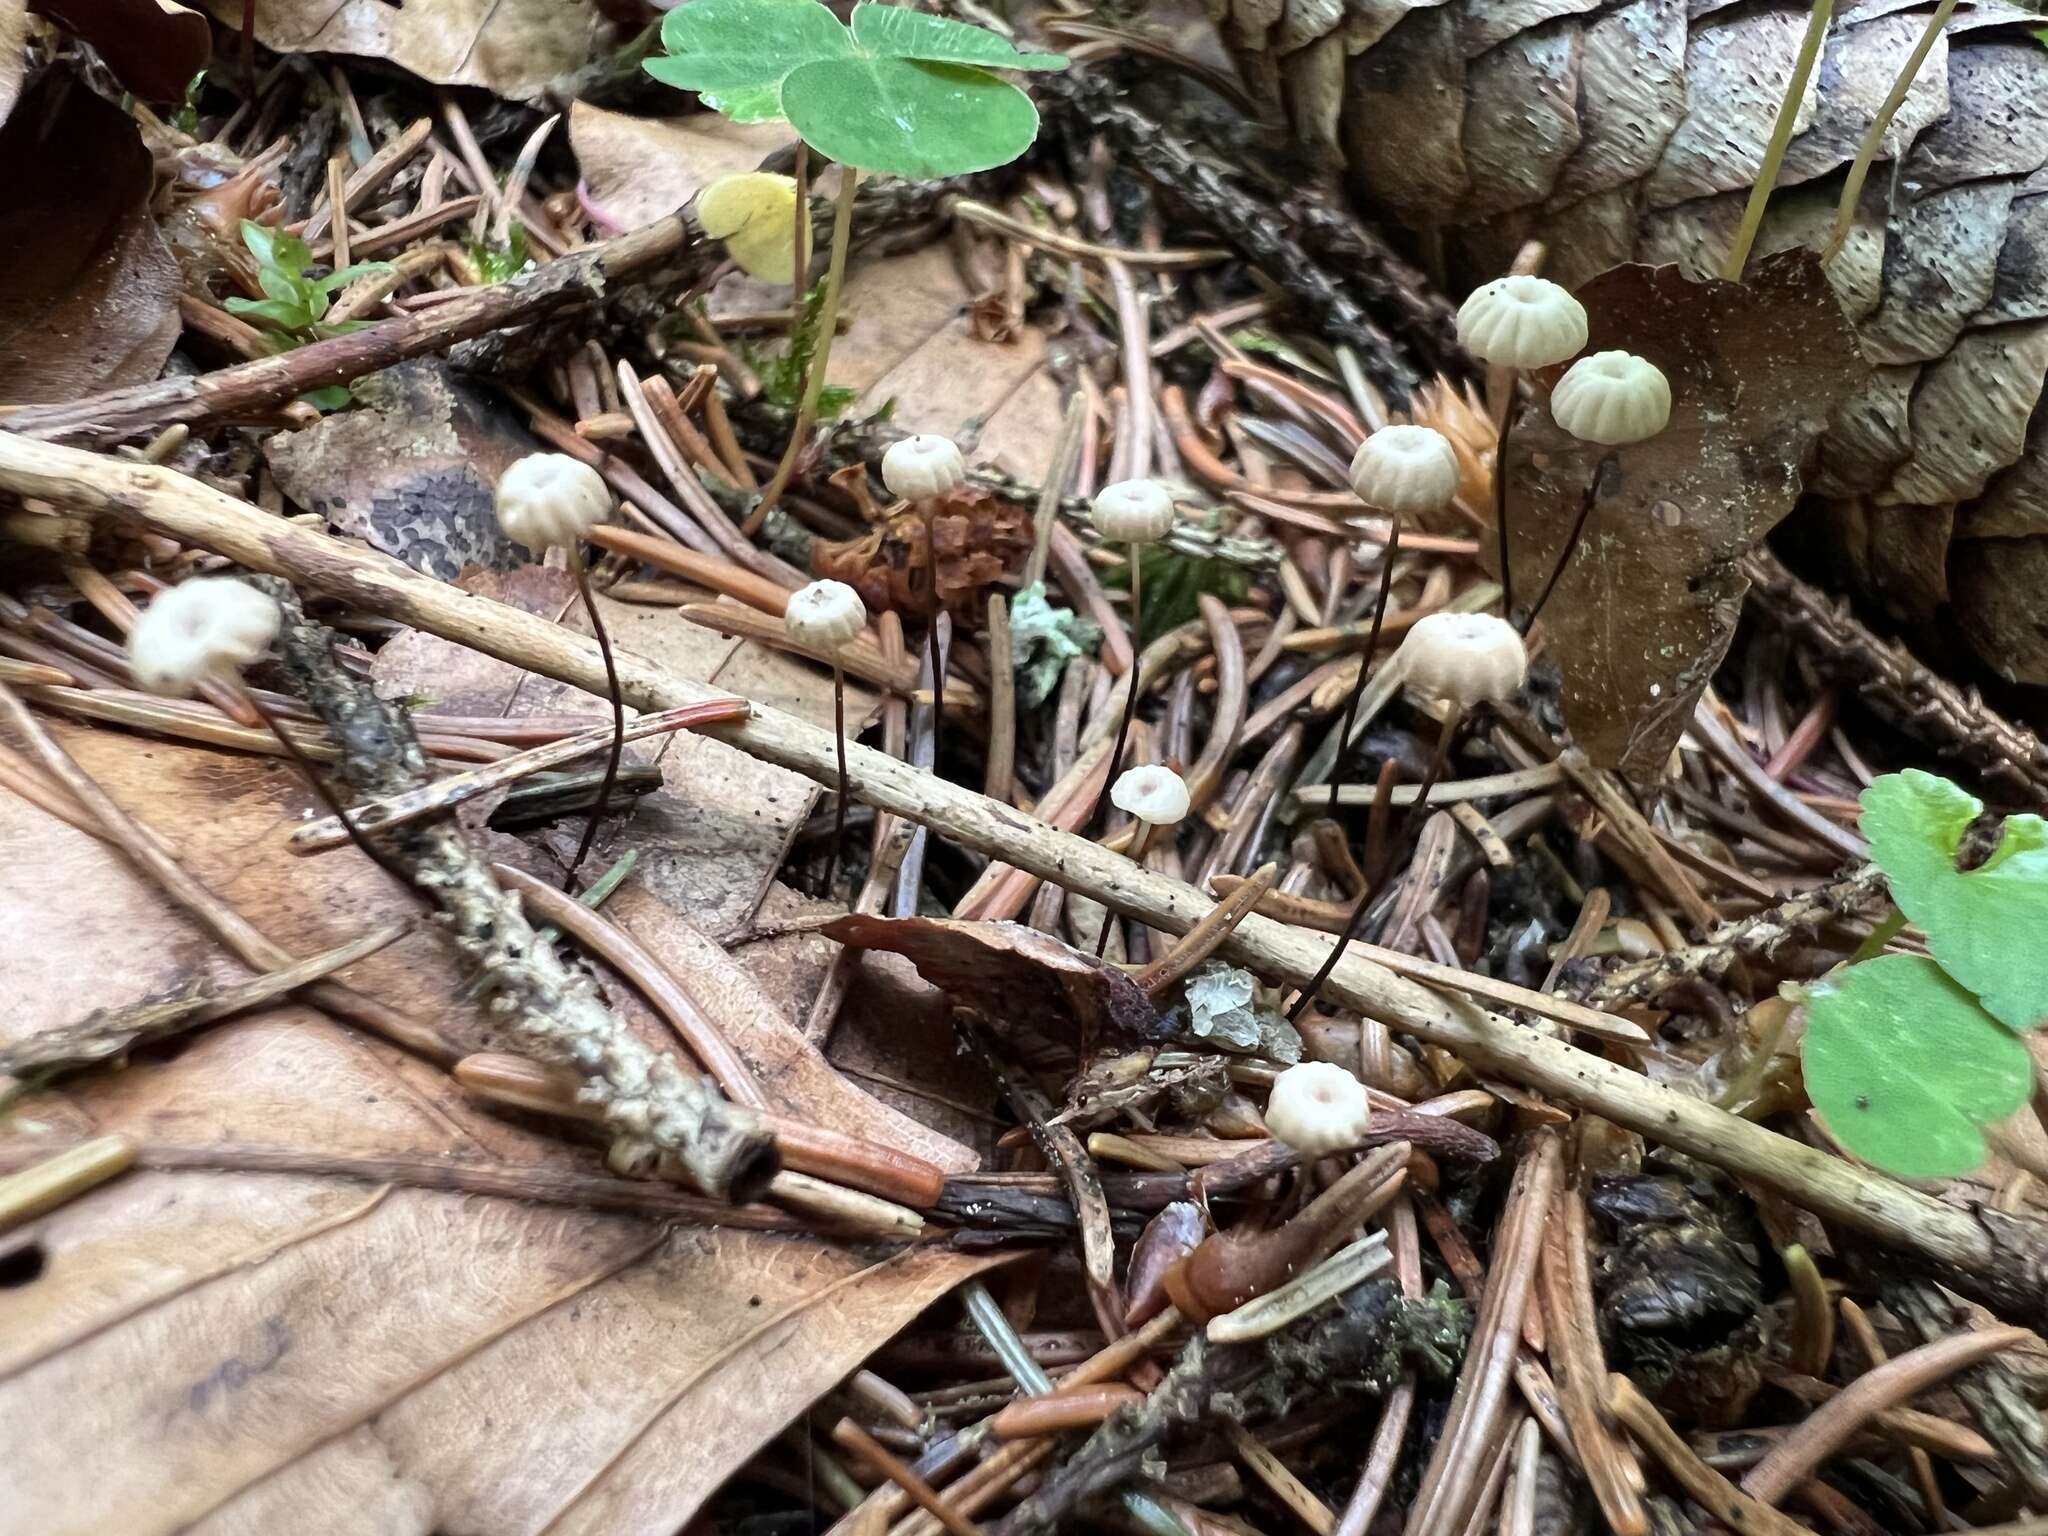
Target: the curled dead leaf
(1007, 971)
(1647, 605)
(90, 300)
(920, 560)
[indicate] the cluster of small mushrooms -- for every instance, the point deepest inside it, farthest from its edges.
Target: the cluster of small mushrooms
(214, 627)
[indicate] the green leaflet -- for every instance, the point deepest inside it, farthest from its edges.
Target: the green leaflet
(1987, 927)
(901, 93)
(1905, 1069)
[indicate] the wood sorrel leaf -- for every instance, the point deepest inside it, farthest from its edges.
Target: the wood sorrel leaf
(900, 117)
(1985, 927)
(892, 32)
(736, 53)
(1906, 1069)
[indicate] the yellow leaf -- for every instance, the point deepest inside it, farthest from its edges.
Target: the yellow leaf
(754, 213)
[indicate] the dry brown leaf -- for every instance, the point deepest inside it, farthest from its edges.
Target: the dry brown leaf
(511, 47)
(1647, 605)
(945, 553)
(639, 169)
(154, 47)
(1007, 971)
(90, 297)
(413, 473)
(256, 1334)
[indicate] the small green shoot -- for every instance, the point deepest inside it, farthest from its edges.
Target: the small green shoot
(294, 307)
(1174, 584)
(501, 263)
(782, 374)
(186, 118)
(1907, 1058)
(898, 92)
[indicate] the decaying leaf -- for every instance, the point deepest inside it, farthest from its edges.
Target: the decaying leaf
(638, 169)
(154, 47)
(90, 301)
(946, 553)
(413, 474)
(337, 1295)
(1007, 971)
(511, 47)
(1647, 605)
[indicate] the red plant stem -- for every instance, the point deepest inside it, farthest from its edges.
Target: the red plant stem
(611, 677)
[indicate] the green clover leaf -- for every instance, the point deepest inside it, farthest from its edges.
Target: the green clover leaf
(900, 93)
(1985, 927)
(891, 32)
(900, 117)
(1906, 1069)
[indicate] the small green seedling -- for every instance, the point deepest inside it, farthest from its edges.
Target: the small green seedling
(896, 93)
(892, 92)
(1174, 583)
(501, 263)
(295, 306)
(1908, 1058)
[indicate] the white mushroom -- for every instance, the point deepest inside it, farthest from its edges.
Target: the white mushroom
(1318, 1108)
(1133, 512)
(1521, 321)
(920, 467)
(211, 626)
(824, 615)
(1153, 794)
(549, 499)
(1612, 398)
(1408, 471)
(1462, 659)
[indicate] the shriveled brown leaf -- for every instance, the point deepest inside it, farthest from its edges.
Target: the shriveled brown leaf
(154, 47)
(296, 1318)
(511, 47)
(413, 474)
(1647, 605)
(945, 553)
(1007, 971)
(90, 297)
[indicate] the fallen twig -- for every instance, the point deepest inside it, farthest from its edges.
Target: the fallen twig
(1986, 1252)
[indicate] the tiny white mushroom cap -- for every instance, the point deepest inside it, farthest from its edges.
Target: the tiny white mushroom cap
(1521, 322)
(1133, 512)
(1318, 1108)
(1462, 659)
(1154, 794)
(211, 626)
(547, 499)
(1612, 398)
(1408, 471)
(824, 615)
(920, 467)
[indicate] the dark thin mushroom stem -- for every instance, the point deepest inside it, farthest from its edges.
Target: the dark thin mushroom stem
(611, 675)
(1123, 730)
(839, 810)
(1446, 738)
(1571, 543)
(311, 773)
(1372, 643)
(1500, 496)
(938, 665)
